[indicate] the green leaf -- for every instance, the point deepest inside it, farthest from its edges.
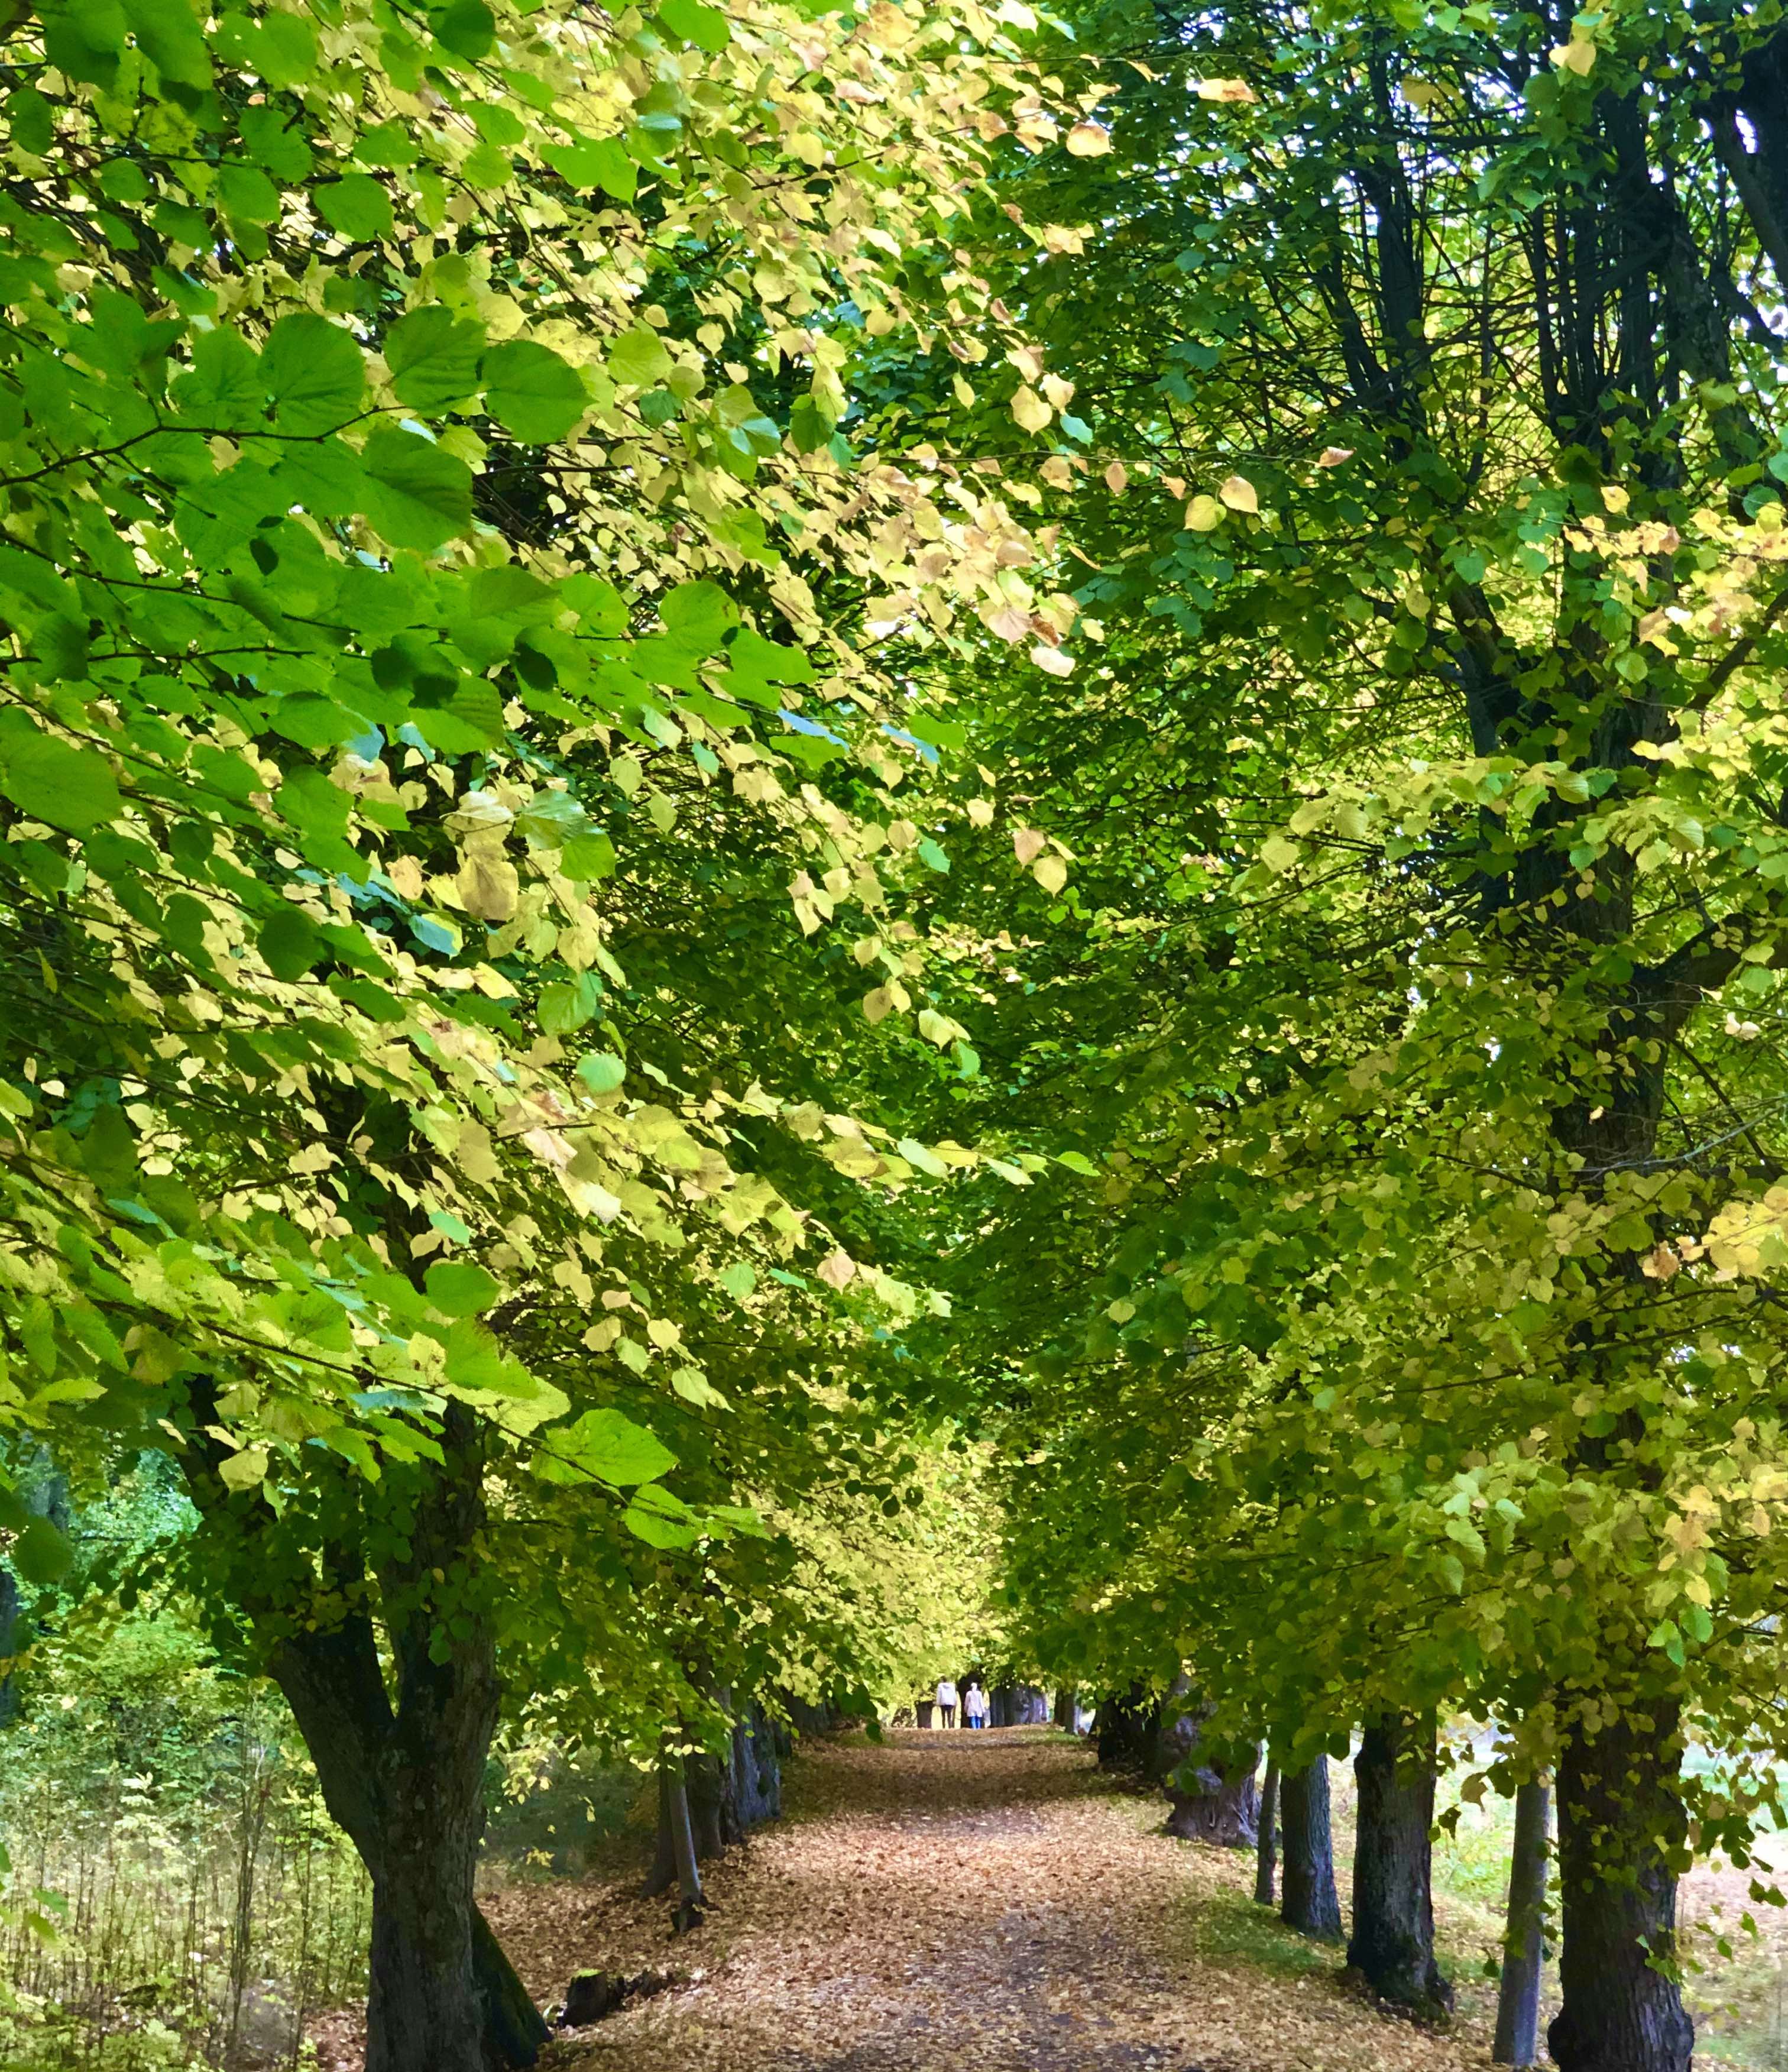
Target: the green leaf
(460, 1288)
(243, 1470)
(48, 780)
(434, 358)
(696, 23)
(29, 122)
(314, 372)
(248, 194)
(532, 391)
(637, 359)
(283, 50)
(291, 943)
(564, 1009)
(465, 27)
(657, 1519)
(601, 1071)
(415, 495)
(356, 207)
(40, 1554)
(614, 1449)
(598, 161)
(767, 661)
(168, 33)
(698, 615)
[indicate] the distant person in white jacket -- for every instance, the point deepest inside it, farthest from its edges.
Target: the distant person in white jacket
(974, 1706)
(947, 1701)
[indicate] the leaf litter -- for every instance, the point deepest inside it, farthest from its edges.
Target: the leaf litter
(990, 1896)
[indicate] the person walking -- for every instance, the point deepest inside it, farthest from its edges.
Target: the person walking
(947, 1701)
(974, 1704)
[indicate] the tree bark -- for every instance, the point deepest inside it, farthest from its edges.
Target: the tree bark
(406, 1781)
(1267, 1859)
(1393, 1941)
(1620, 1821)
(1062, 1712)
(663, 1874)
(756, 1769)
(1126, 1730)
(1309, 1902)
(1518, 1996)
(683, 1844)
(1208, 1801)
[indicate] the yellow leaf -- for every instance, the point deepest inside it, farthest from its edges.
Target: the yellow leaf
(837, 1269)
(1333, 456)
(1027, 843)
(1010, 623)
(876, 1005)
(1089, 140)
(1059, 392)
(1032, 413)
(1578, 55)
(1052, 660)
(1226, 89)
(1239, 493)
(980, 812)
(1203, 514)
(1049, 872)
(243, 1470)
(1117, 478)
(488, 887)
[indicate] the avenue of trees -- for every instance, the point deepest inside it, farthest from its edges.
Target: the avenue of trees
(749, 748)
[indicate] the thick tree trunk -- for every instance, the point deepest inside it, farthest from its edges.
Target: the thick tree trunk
(406, 1782)
(1266, 1861)
(1393, 1941)
(756, 1769)
(1207, 1801)
(1518, 1996)
(1619, 1821)
(663, 1874)
(1126, 1730)
(1309, 1903)
(1062, 1710)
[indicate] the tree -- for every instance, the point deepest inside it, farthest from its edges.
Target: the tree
(1411, 1008)
(345, 353)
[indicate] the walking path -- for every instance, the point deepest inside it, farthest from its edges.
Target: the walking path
(981, 1899)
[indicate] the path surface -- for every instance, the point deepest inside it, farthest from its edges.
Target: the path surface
(985, 1900)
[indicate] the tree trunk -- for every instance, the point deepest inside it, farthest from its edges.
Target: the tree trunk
(1518, 1996)
(1309, 1903)
(1062, 1712)
(1126, 1730)
(1208, 1801)
(663, 1874)
(683, 1843)
(406, 1782)
(1619, 1822)
(1393, 1941)
(756, 1769)
(1267, 1860)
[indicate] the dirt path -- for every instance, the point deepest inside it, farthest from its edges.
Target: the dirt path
(982, 1899)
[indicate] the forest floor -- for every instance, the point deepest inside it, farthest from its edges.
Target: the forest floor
(983, 1897)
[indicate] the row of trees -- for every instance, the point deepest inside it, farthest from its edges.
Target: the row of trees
(553, 781)
(1412, 992)
(452, 814)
